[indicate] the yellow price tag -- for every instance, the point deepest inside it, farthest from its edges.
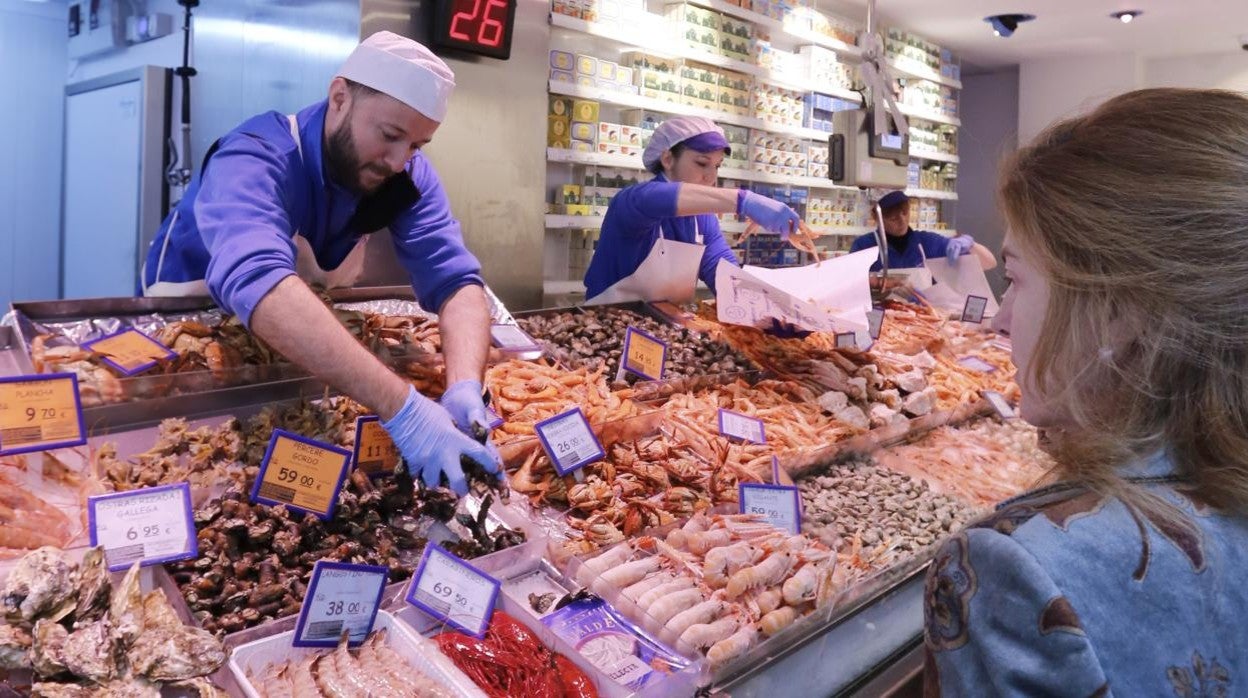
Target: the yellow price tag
(375, 452)
(643, 354)
(129, 351)
(301, 473)
(38, 413)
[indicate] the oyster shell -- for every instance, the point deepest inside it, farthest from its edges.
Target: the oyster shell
(91, 652)
(45, 649)
(60, 690)
(95, 587)
(126, 608)
(203, 687)
(167, 650)
(128, 688)
(42, 584)
(14, 647)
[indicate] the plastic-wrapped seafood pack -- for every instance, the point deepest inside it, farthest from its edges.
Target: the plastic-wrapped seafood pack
(392, 661)
(42, 502)
(74, 632)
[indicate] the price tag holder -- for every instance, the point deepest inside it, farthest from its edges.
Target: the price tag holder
(779, 505)
(453, 591)
(302, 474)
(569, 442)
(1000, 404)
(875, 321)
(644, 354)
(375, 452)
(150, 526)
(974, 309)
(738, 426)
(846, 340)
(130, 351)
(976, 364)
(341, 597)
(38, 413)
(512, 338)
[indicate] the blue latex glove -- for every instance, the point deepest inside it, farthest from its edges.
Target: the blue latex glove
(774, 216)
(463, 401)
(431, 445)
(958, 246)
(785, 330)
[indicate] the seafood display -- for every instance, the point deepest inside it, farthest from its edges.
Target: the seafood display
(373, 669)
(524, 393)
(983, 463)
(28, 521)
(594, 338)
(717, 585)
(511, 661)
(67, 624)
(880, 517)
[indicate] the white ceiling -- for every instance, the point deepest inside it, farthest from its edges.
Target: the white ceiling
(1067, 27)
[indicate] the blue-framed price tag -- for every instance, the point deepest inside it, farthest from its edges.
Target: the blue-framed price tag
(341, 597)
(974, 309)
(1000, 404)
(303, 474)
(738, 426)
(39, 413)
(569, 442)
(779, 505)
(644, 354)
(149, 526)
(375, 453)
(130, 351)
(512, 338)
(453, 591)
(875, 322)
(976, 364)
(846, 340)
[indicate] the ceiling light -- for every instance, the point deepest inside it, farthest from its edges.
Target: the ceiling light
(1004, 25)
(1126, 15)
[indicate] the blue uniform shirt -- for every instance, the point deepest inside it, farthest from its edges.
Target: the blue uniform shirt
(637, 217)
(908, 256)
(235, 226)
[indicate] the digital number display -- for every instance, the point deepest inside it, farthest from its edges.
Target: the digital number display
(478, 26)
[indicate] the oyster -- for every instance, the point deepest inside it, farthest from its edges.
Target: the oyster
(42, 584)
(91, 651)
(127, 688)
(126, 608)
(94, 587)
(61, 690)
(14, 647)
(45, 649)
(167, 650)
(203, 688)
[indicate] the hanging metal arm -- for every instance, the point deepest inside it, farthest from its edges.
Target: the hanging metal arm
(878, 78)
(180, 169)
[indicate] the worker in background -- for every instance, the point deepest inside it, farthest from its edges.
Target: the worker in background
(286, 201)
(909, 248)
(678, 205)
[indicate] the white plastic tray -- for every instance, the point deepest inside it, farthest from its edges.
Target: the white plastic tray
(421, 653)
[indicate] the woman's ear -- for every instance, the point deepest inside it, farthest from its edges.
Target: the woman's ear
(668, 161)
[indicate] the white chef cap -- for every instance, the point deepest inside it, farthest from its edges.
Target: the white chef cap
(698, 133)
(403, 69)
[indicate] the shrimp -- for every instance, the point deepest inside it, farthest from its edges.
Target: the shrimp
(628, 573)
(767, 573)
(701, 543)
(633, 592)
(593, 567)
(678, 584)
(327, 678)
(301, 680)
(704, 612)
(767, 600)
(777, 620)
(734, 646)
(703, 635)
(813, 581)
(278, 684)
(720, 563)
(665, 608)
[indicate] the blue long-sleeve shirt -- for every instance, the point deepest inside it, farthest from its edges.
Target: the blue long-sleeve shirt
(906, 254)
(637, 217)
(235, 226)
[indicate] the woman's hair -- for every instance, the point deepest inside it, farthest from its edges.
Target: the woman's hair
(1137, 215)
(676, 150)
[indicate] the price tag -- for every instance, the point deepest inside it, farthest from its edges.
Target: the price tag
(974, 309)
(875, 321)
(644, 354)
(1002, 343)
(38, 413)
(846, 340)
(512, 338)
(341, 597)
(129, 351)
(569, 442)
(779, 505)
(495, 420)
(152, 525)
(1000, 404)
(976, 364)
(453, 591)
(738, 426)
(375, 452)
(301, 473)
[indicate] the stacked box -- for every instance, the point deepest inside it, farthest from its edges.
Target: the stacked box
(609, 178)
(817, 110)
(823, 67)
(735, 38)
(775, 9)
(777, 105)
(585, 69)
(818, 155)
(581, 245)
(778, 155)
(562, 66)
(642, 122)
(571, 8)
(656, 78)
(739, 144)
(925, 214)
(734, 92)
(697, 26)
(559, 123)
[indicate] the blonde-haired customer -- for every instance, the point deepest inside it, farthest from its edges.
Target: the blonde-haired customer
(1128, 310)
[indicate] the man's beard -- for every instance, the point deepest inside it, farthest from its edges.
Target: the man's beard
(343, 161)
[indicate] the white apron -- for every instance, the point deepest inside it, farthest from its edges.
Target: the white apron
(306, 266)
(668, 273)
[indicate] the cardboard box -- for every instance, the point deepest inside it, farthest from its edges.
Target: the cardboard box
(578, 210)
(609, 133)
(570, 194)
(584, 110)
(563, 76)
(632, 136)
(560, 106)
(694, 16)
(584, 131)
(607, 71)
(558, 127)
(586, 81)
(609, 149)
(564, 143)
(586, 65)
(582, 146)
(623, 75)
(562, 60)
(641, 59)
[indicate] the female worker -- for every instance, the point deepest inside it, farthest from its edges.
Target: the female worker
(677, 206)
(1127, 261)
(909, 248)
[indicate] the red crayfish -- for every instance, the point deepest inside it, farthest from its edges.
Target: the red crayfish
(511, 661)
